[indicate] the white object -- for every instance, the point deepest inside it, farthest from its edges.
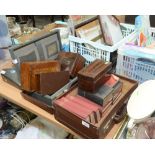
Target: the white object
(127, 65)
(97, 50)
(61, 22)
(85, 124)
(141, 104)
(15, 61)
(5, 40)
(111, 29)
(41, 129)
(88, 57)
(3, 72)
(64, 33)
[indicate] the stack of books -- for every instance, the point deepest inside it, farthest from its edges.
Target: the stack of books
(107, 94)
(81, 107)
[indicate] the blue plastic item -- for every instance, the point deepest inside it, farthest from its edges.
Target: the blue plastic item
(5, 40)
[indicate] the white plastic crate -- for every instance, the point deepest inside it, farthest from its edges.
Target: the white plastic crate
(130, 66)
(96, 50)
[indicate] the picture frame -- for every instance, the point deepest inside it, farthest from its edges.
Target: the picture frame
(77, 19)
(41, 48)
(90, 30)
(111, 29)
(50, 46)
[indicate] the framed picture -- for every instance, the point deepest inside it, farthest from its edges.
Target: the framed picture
(90, 30)
(77, 19)
(111, 29)
(49, 46)
(41, 48)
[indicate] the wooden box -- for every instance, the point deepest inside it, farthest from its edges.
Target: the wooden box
(30, 70)
(72, 62)
(91, 77)
(100, 129)
(49, 83)
(38, 100)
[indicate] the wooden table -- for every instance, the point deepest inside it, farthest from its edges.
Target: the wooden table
(12, 94)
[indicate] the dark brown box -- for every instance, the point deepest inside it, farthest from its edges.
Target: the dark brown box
(99, 130)
(30, 70)
(72, 62)
(40, 103)
(49, 83)
(91, 77)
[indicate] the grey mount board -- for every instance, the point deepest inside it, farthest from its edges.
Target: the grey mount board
(42, 48)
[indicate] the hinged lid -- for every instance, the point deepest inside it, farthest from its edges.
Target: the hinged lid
(94, 70)
(72, 62)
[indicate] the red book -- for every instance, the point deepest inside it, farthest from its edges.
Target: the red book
(88, 111)
(93, 105)
(111, 80)
(88, 105)
(74, 108)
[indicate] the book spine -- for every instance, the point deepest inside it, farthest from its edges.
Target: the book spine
(89, 101)
(72, 108)
(117, 90)
(85, 104)
(91, 97)
(78, 109)
(80, 102)
(98, 112)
